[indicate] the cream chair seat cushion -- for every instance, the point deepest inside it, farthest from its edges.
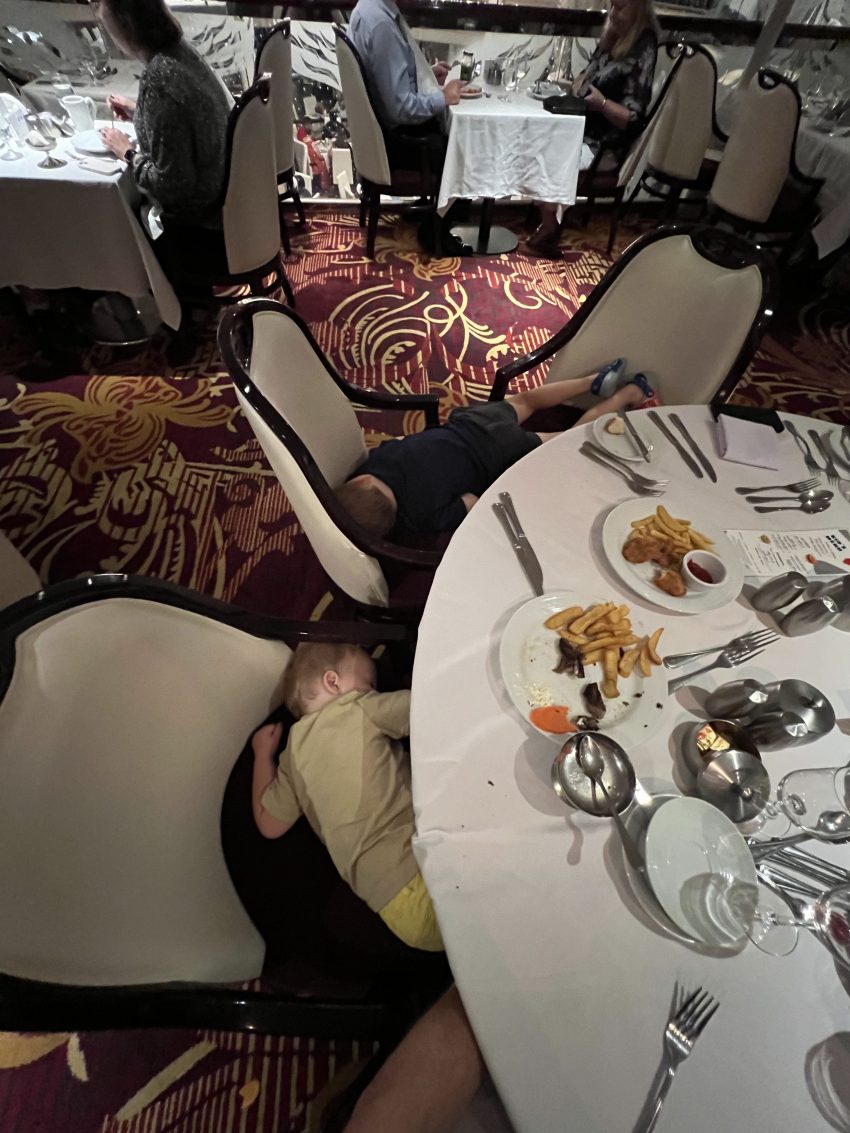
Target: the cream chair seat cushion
(17, 578)
(118, 732)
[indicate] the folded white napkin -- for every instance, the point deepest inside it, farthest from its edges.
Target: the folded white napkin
(99, 165)
(748, 442)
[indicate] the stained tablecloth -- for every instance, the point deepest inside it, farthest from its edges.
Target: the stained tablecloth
(69, 227)
(502, 149)
(566, 983)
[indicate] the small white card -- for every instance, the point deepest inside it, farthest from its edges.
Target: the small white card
(766, 553)
(748, 442)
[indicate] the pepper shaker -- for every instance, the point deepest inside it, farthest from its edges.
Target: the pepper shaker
(779, 591)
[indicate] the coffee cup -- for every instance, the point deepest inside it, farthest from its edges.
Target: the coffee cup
(81, 111)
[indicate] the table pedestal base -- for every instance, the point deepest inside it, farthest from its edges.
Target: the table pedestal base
(485, 240)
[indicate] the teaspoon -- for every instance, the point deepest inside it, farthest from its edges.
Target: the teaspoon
(810, 507)
(816, 497)
(592, 764)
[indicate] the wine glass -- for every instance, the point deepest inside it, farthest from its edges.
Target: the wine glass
(806, 794)
(774, 929)
(49, 161)
(9, 151)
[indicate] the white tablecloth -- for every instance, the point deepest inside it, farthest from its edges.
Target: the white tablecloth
(566, 985)
(501, 149)
(821, 155)
(69, 227)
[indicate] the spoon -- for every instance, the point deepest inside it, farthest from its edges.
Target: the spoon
(831, 826)
(810, 507)
(592, 764)
(816, 497)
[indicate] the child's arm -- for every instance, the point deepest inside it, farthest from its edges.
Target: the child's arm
(389, 711)
(265, 743)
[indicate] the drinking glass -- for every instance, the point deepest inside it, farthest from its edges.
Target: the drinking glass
(774, 929)
(9, 151)
(806, 794)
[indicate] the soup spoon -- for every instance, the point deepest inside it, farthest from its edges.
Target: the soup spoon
(810, 507)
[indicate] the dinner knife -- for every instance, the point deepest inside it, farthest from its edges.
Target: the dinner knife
(531, 563)
(695, 449)
(832, 472)
(661, 424)
(634, 435)
(536, 579)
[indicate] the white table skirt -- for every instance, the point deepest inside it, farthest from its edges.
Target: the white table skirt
(820, 155)
(503, 149)
(69, 227)
(567, 986)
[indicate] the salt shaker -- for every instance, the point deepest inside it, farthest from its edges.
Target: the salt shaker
(810, 616)
(780, 591)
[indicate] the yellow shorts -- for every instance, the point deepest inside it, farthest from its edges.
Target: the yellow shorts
(410, 915)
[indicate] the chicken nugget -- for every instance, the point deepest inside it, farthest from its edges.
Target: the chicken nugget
(671, 582)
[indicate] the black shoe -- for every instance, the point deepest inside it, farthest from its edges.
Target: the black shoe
(418, 212)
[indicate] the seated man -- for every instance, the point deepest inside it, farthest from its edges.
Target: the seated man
(408, 97)
(428, 481)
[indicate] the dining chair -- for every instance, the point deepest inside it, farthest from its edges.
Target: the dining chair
(682, 130)
(369, 148)
(302, 414)
(758, 187)
(274, 58)
(126, 831)
(17, 577)
(686, 304)
(250, 239)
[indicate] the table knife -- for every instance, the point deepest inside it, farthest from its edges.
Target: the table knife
(532, 563)
(661, 424)
(535, 578)
(832, 472)
(695, 449)
(634, 435)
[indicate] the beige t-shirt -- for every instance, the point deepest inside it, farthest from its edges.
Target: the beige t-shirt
(343, 772)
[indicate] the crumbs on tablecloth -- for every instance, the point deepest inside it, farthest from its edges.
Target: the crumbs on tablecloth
(490, 781)
(659, 705)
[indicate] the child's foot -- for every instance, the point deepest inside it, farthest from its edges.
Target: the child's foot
(266, 740)
(609, 379)
(640, 380)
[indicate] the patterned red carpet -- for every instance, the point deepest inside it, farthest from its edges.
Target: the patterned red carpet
(129, 464)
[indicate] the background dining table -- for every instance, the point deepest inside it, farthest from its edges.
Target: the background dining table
(567, 983)
(502, 145)
(72, 227)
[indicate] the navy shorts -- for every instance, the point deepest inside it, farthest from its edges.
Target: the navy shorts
(492, 431)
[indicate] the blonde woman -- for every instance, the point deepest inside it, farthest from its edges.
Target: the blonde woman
(616, 87)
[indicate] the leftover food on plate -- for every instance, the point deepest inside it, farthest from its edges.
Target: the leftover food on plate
(664, 540)
(616, 425)
(602, 635)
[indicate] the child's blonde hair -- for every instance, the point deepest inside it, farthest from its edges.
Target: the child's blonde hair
(309, 663)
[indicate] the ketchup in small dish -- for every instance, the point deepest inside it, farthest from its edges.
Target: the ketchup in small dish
(703, 570)
(701, 573)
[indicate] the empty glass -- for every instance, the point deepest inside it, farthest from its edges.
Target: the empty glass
(806, 794)
(8, 143)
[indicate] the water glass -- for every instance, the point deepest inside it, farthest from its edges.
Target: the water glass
(806, 794)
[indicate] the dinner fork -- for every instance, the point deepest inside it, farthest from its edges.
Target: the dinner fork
(638, 477)
(809, 460)
(638, 489)
(728, 659)
(682, 1031)
(800, 486)
(826, 456)
(763, 637)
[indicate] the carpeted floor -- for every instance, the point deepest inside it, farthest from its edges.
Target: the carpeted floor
(131, 464)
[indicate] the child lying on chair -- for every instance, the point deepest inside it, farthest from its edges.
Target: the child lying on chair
(344, 771)
(427, 482)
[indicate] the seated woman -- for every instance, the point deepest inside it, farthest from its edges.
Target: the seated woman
(180, 118)
(616, 87)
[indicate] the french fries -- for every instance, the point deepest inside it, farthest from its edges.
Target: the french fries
(603, 635)
(680, 532)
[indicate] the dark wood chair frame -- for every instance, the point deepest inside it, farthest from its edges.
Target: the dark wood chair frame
(370, 193)
(234, 342)
(273, 271)
(725, 248)
(664, 186)
(40, 1006)
(287, 176)
(810, 186)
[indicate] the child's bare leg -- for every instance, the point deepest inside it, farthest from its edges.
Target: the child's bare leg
(548, 396)
(429, 1079)
(627, 397)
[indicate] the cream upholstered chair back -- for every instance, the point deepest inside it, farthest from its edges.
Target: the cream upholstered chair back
(759, 153)
(683, 129)
(367, 138)
(296, 409)
(250, 212)
(672, 312)
(119, 727)
(634, 162)
(17, 578)
(274, 58)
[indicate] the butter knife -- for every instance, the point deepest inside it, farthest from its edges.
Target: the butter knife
(661, 424)
(634, 435)
(535, 578)
(531, 563)
(695, 449)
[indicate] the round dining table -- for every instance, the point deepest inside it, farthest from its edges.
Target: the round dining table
(567, 982)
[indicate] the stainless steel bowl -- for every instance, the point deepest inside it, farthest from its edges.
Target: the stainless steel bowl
(711, 738)
(737, 783)
(577, 789)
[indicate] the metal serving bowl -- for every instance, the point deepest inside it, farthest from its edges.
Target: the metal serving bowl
(577, 789)
(711, 738)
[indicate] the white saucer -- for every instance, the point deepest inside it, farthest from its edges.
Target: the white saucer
(619, 443)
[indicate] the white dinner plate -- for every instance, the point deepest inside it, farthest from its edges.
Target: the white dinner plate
(528, 652)
(701, 871)
(620, 444)
(91, 142)
(639, 576)
(472, 92)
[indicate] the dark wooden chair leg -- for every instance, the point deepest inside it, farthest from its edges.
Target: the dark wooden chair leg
(364, 201)
(615, 219)
(284, 232)
(285, 284)
(299, 204)
(672, 204)
(374, 211)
